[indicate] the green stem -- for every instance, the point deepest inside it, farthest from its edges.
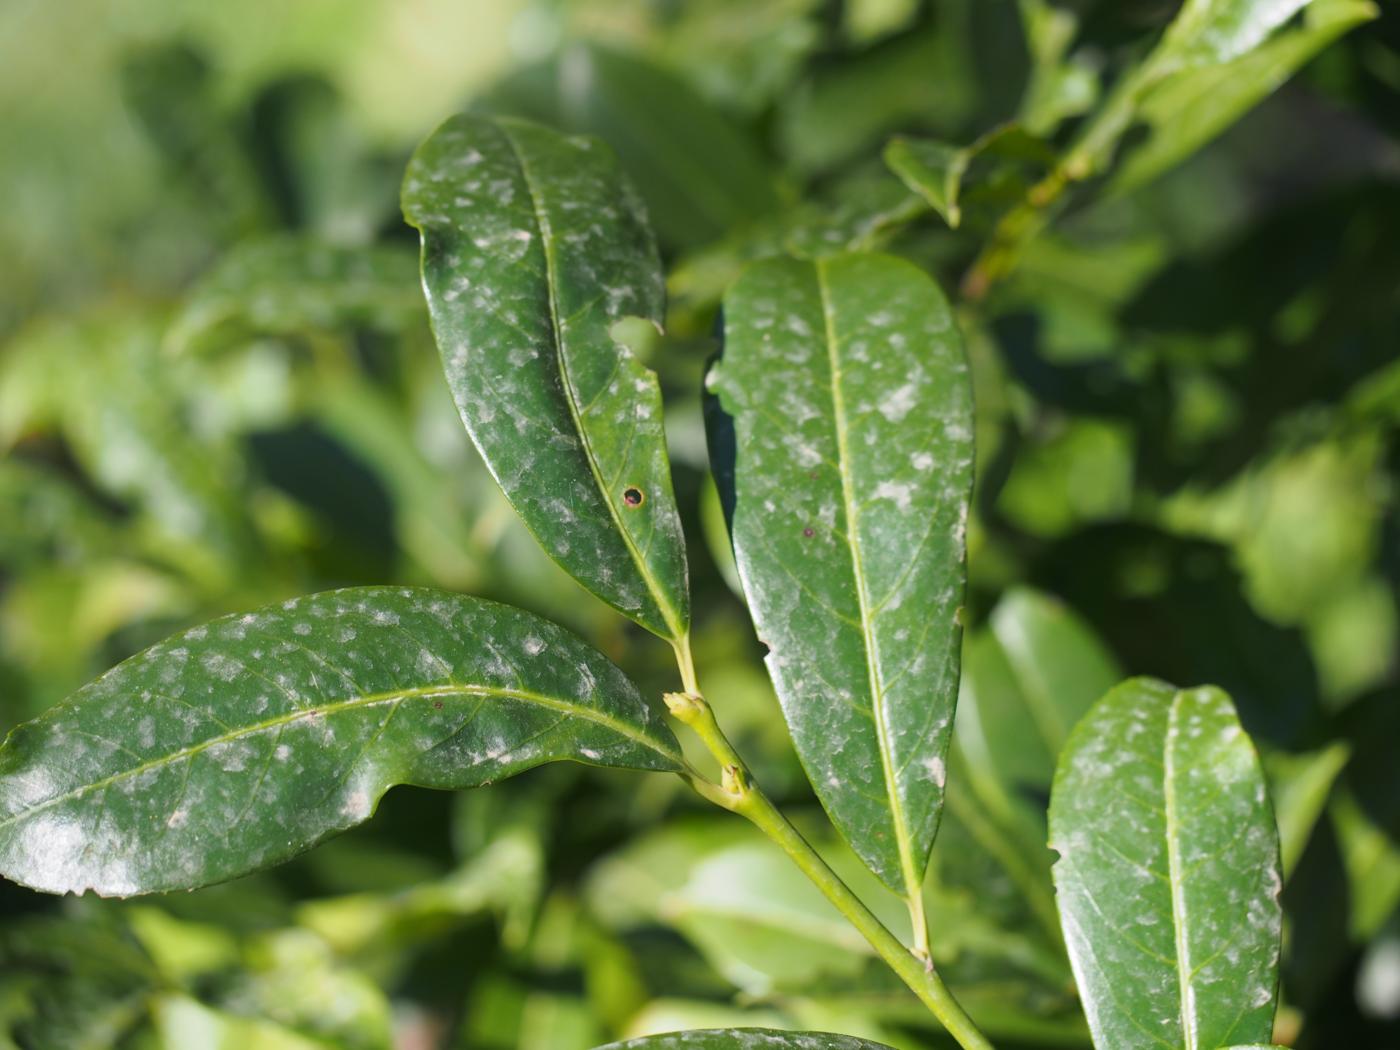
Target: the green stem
(738, 793)
(1084, 157)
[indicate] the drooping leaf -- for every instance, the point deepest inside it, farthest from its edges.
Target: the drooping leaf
(746, 1039)
(933, 170)
(534, 246)
(1168, 876)
(849, 470)
(1187, 110)
(937, 171)
(235, 745)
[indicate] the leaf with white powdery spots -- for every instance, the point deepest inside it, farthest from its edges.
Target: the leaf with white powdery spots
(236, 745)
(534, 247)
(844, 441)
(1168, 876)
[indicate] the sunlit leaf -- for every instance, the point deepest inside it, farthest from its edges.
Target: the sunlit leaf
(183, 1022)
(238, 744)
(1168, 877)
(849, 471)
(534, 247)
(1188, 109)
(1208, 31)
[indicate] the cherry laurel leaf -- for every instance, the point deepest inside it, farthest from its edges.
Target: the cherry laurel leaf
(236, 745)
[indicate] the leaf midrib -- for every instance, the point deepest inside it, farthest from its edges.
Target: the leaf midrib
(1176, 876)
(913, 884)
(658, 597)
(326, 710)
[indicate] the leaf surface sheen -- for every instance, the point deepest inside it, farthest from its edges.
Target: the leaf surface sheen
(1168, 876)
(851, 406)
(746, 1039)
(236, 745)
(1209, 31)
(534, 247)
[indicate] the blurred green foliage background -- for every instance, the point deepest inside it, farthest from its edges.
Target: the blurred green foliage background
(217, 389)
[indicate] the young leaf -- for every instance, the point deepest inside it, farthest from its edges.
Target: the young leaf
(937, 171)
(1168, 876)
(848, 486)
(534, 247)
(746, 1039)
(236, 745)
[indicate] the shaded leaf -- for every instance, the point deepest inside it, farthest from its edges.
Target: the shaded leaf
(1058, 666)
(746, 1039)
(937, 171)
(846, 387)
(534, 246)
(1168, 876)
(235, 745)
(287, 285)
(699, 174)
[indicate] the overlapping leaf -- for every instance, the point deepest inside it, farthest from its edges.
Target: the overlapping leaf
(1168, 876)
(849, 470)
(534, 246)
(236, 745)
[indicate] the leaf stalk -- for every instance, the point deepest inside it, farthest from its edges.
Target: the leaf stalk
(739, 793)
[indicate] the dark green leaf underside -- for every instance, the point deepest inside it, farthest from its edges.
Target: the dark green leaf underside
(1168, 876)
(851, 410)
(235, 745)
(534, 247)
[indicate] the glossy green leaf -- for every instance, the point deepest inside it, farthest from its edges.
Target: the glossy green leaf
(235, 745)
(746, 1039)
(849, 474)
(1187, 110)
(534, 247)
(1168, 877)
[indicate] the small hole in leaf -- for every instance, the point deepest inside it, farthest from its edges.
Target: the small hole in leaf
(633, 497)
